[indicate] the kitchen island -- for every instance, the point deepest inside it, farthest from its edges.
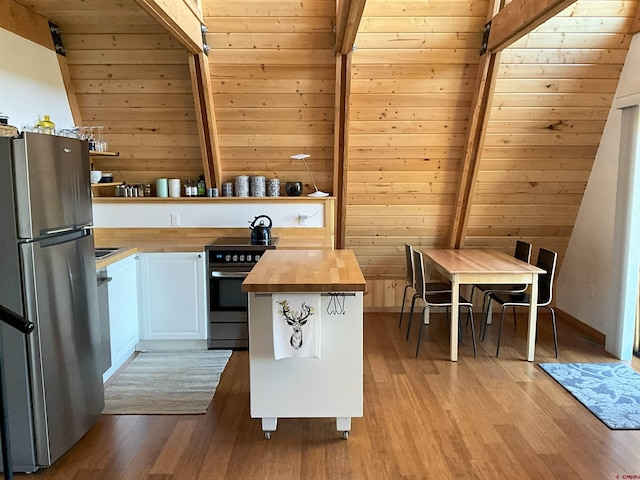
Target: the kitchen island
(319, 378)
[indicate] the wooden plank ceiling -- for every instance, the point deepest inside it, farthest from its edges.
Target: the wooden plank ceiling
(273, 83)
(413, 74)
(131, 76)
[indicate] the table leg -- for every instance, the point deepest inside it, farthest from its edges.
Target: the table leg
(455, 312)
(533, 318)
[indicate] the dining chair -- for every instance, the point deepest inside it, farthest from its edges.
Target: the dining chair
(436, 299)
(547, 260)
(411, 282)
(522, 252)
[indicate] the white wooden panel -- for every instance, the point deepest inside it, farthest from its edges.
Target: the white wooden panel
(223, 214)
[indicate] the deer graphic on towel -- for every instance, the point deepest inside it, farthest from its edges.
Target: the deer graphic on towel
(296, 320)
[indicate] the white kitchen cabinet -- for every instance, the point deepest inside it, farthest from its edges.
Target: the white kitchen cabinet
(172, 295)
(123, 311)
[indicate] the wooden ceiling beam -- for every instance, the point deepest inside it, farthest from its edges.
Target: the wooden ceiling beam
(520, 17)
(180, 19)
(341, 145)
(25, 23)
(348, 18)
(635, 26)
(205, 116)
(476, 128)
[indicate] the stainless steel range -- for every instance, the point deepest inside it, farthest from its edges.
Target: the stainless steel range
(230, 261)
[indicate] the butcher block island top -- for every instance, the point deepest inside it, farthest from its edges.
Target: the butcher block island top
(306, 271)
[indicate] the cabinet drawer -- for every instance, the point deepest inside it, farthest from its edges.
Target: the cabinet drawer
(228, 330)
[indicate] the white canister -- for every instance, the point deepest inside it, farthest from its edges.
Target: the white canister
(174, 187)
(162, 187)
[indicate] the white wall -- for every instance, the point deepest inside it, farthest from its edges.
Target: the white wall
(31, 83)
(589, 254)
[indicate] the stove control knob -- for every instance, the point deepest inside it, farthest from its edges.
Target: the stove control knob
(235, 258)
(242, 258)
(249, 257)
(256, 257)
(227, 258)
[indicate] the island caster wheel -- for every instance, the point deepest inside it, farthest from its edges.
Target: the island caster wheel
(345, 435)
(267, 435)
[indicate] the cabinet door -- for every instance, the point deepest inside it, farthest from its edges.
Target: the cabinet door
(123, 311)
(172, 295)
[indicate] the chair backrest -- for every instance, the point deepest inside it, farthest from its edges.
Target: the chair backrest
(523, 251)
(418, 269)
(546, 260)
(408, 250)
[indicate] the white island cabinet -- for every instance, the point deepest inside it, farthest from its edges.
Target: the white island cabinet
(123, 312)
(328, 383)
(172, 297)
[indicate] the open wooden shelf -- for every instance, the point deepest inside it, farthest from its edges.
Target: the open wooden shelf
(93, 153)
(107, 184)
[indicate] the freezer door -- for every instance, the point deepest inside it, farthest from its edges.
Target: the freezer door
(61, 299)
(51, 184)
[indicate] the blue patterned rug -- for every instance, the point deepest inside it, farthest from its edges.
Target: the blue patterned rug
(611, 391)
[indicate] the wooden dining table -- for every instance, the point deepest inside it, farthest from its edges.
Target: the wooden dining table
(483, 265)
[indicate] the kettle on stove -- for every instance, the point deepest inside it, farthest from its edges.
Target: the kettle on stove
(260, 233)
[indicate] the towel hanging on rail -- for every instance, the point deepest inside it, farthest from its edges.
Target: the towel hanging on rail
(296, 325)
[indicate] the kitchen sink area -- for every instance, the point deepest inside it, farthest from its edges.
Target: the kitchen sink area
(104, 252)
(106, 256)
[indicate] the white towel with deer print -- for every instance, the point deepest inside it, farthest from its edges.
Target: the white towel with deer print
(296, 325)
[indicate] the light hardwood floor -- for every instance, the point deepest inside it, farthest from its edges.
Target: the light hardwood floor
(425, 418)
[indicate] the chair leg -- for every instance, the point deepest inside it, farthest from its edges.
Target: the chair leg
(420, 332)
(484, 317)
(555, 333)
(404, 298)
(515, 320)
(473, 289)
(500, 331)
(473, 332)
(413, 302)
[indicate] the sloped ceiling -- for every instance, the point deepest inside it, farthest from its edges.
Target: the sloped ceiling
(131, 76)
(273, 75)
(414, 71)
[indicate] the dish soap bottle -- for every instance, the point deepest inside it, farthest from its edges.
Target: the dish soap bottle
(47, 126)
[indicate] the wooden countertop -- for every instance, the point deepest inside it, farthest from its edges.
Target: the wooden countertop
(104, 262)
(306, 271)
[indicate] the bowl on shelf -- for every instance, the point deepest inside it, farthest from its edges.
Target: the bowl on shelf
(96, 175)
(293, 189)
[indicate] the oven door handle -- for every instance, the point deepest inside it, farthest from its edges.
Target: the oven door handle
(217, 274)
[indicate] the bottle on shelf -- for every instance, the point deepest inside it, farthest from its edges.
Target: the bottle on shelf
(201, 186)
(187, 188)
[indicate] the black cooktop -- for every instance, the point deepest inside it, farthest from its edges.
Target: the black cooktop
(242, 242)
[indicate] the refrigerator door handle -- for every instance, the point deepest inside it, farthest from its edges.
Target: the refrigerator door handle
(56, 231)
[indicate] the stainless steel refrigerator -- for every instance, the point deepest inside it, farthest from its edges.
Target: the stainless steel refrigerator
(47, 275)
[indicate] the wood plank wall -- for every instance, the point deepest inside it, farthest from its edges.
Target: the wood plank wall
(552, 99)
(414, 67)
(273, 81)
(132, 77)
(413, 76)
(413, 73)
